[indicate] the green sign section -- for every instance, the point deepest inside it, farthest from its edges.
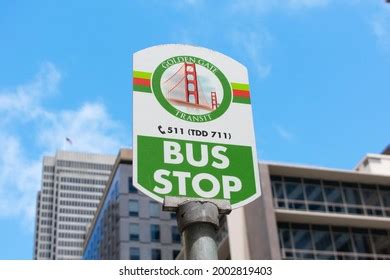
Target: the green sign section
(171, 167)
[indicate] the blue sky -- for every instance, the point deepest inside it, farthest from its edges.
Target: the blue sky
(319, 77)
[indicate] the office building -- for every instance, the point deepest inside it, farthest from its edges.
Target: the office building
(129, 224)
(307, 212)
(72, 185)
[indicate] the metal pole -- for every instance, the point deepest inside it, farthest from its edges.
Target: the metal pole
(198, 222)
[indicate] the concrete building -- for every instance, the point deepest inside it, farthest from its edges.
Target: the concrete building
(128, 224)
(307, 212)
(72, 185)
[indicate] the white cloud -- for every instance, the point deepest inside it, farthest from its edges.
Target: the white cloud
(380, 25)
(283, 132)
(29, 130)
(19, 180)
(252, 44)
(90, 128)
(23, 102)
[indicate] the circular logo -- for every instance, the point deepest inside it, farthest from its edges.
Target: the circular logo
(191, 88)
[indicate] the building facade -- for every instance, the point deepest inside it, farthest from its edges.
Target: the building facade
(72, 185)
(129, 224)
(307, 212)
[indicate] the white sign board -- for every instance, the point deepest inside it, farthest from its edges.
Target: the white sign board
(192, 126)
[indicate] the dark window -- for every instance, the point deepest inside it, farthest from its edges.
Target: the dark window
(342, 239)
(314, 194)
(278, 193)
(156, 254)
(155, 233)
(277, 189)
(352, 197)
(292, 179)
(173, 215)
(322, 238)
(134, 254)
(154, 209)
(301, 236)
(175, 234)
(276, 178)
(333, 194)
(385, 195)
(361, 240)
(351, 193)
(334, 197)
(284, 235)
(134, 232)
(294, 191)
(132, 189)
(133, 208)
(371, 198)
(381, 241)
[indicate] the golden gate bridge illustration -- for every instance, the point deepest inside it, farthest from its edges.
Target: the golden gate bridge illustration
(183, 88)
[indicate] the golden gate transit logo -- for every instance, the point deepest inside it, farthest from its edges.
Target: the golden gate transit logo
(191, 88)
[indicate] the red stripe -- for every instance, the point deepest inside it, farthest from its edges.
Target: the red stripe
(241, 93)
(141, 82)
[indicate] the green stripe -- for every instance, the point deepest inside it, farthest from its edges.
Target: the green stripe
(143, 75)
(142, 88)
(240, 86)
(243, 100)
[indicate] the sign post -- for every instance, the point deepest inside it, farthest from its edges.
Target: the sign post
(198, 222)
(193, 138)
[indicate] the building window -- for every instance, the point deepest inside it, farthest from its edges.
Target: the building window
(133, 208)
(302, 240)
(361, 240)
(154, 209)
(314, 196)
(175, 253)
(278, 193)
(294, 191)
(334, 197)
(381, 239)
(371, 200)
(173, 214)
(352, 197)
(342, 239)
(322, 238)
(134, 254)
(155, 233)
(134, 232)
(175, 234)
(332, 242)
(156, 254)
(330, 196)
(285, 238)
(132, 189)
(385, 195)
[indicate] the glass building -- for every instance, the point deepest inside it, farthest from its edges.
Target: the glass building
(309, 212)
(332, 241)
(129, 224)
